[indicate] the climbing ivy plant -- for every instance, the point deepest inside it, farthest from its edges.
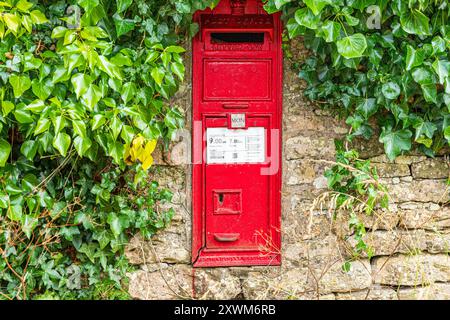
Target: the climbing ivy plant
(380, 64)
(85, 88)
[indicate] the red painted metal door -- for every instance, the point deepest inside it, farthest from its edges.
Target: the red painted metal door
(236, 137)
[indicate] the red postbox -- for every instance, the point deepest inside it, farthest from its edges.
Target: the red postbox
(236, 178)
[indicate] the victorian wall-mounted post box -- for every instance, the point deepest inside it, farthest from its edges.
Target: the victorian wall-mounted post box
(236, 178)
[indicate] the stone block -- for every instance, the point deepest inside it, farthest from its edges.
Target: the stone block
(301, 223)
(310, 123)
(309, 147)
(389, 170)
(167, 246)
(385, 243)
(379, 293)
(420, 191)
(429, 216)
(334, 279)
(435, 291)
(304, 172)
(281, 284)
(411, 270)
(167, 283)
(409, 159)
(437, 241)
(431, 169)
(380, 219)
(216, 283)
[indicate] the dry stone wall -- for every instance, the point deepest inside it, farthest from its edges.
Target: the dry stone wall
(411, 241)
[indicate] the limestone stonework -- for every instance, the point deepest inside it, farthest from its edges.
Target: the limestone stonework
(410, 241)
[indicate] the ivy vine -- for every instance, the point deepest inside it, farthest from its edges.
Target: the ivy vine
(380, 64)
(85, 88)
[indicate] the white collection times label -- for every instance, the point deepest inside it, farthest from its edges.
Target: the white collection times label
(225, 145)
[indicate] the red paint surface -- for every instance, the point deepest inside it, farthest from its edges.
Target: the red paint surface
(236, 209)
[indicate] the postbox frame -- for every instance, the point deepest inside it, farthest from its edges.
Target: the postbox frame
(201, 256)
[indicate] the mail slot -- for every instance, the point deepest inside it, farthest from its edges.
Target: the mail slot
(236, 177)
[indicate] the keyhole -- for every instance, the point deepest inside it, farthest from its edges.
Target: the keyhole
(220, 198)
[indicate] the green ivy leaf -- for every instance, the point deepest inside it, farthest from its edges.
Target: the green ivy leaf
(117, 223)
(82, 145)
(178, 69)
(391, 90)
(305, 17)
(89, 5)
(424, 128)
(175, 49)
(24, 5)
(60, 74)
(36, 106)
(12, 21)
(4, 200)
(423, 75)
(20, 84)
(111, 69)
(294, 29)
(367, 107)
(414, 58)
(79, 127)
(89, 250)
(42, 126)
(92, 96)
(97, 121)
(123, 25)
(116, 127)
(61, 142)
(81, 83)
(116, 151)
(42, 89)
(351, 20)
(123, 5)
(15, 212)
(447, 134)
(316, 6)
(158, 75)
(331, 31)
(28, 224)
(128, 92)
(103, 237)
(415, 22)
(23, 116)
(442, 68)
(30, 62)
(7, 107)
(59, 32)
(395, 142)
(29, 149)
(38, 17)
(429, 92)
(5, 149)
(352, 46)
(60, 123)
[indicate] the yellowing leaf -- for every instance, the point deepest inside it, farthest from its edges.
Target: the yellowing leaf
(150, 146)
(141, 151)
(147, 163)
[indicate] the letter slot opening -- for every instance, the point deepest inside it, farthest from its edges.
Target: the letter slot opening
(237, 37)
